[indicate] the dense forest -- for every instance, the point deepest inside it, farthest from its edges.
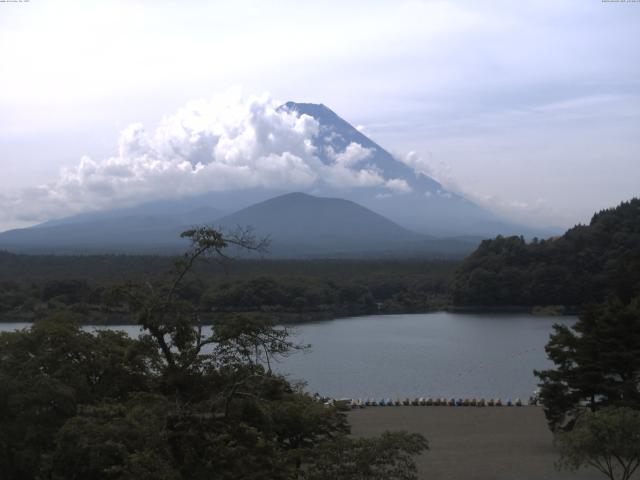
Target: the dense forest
(586, 264)
(288, 290)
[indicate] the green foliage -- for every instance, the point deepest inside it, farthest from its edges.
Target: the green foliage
(389, 457)
(68, 291)
(47, 373)
(116, 440)
(180, 402)
(289, 290)
(608, 440)
(300, 422)
(585, 265)
(597, 362)
(289, 295)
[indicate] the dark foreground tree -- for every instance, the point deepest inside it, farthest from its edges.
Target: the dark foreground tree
(597, 363)
(183, 401)
(47, 373)
(608, 440)
(388, 456)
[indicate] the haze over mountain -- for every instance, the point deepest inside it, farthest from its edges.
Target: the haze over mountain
(271, 152)
(180, 211)
(297, 225)
(301, 224)
(86, 234)
(417, 202)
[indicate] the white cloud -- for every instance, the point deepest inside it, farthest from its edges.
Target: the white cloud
(352, 155)
(544, 98)
(230, 142)
(341, 173)
(535, 211)
(426, 165)
(398, 185)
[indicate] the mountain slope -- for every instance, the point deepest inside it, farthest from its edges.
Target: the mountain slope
(428, 208)
(99, 233)
(336, 134)
(182, 210)
(299, 224)
(324, 223)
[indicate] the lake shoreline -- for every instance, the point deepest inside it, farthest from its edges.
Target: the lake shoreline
(546, 310)
(300, 318)
(280, 317)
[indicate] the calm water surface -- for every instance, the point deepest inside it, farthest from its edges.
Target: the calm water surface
(435, 354)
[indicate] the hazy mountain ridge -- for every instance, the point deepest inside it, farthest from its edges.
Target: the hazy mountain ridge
(176, 209)
(131, 230)
(297, 224)
(401, 222)
(298, 216)
(428, 208)
(301, 224)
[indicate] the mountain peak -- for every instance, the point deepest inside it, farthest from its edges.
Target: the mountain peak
(336, 134)
(306, 106)
(299, 222)
(296, 196)
(323, 114)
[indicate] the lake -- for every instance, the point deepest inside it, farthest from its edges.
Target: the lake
(435, 354)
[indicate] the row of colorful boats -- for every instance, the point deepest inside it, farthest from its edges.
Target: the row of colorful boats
(436, 402)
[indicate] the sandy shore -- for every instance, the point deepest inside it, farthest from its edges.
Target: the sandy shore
(471, 443)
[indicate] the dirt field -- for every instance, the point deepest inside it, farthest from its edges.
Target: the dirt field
(472, 443)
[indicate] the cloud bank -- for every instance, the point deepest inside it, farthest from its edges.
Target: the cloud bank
(230, 142)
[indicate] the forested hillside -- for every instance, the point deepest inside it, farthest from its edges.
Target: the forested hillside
(291, 290)
(584, 265)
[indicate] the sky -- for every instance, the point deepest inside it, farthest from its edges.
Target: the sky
(531, 109)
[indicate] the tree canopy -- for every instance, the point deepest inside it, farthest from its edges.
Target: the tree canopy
(597, 362)
(607, 440)
(586, 264)
(290, 290)
(182, 401)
